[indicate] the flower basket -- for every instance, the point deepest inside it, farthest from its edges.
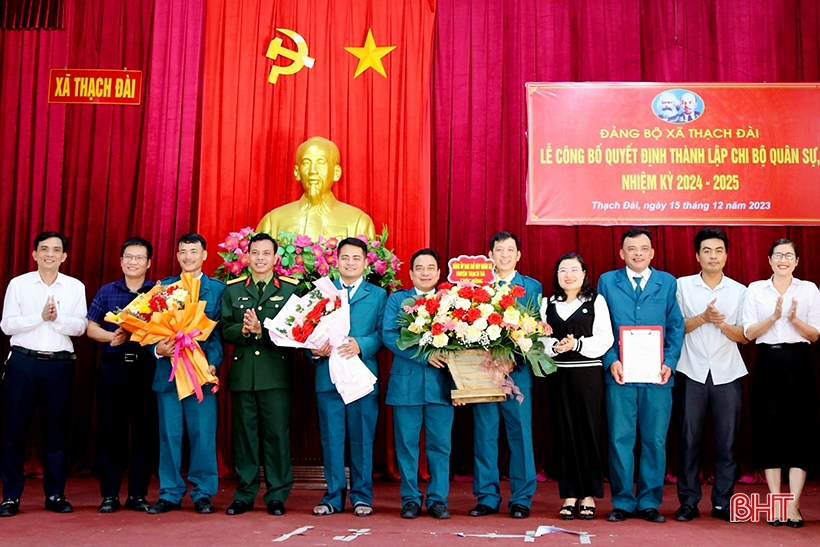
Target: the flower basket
(474, 382)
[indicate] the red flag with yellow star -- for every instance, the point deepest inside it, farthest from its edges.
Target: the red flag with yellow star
(354, 71)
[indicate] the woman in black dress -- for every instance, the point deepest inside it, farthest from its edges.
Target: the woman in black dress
(581, 334)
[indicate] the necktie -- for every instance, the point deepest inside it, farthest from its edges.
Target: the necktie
(349, 289)
(638, 289)
(260, 286)
(502, 283)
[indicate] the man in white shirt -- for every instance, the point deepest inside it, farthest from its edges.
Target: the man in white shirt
(42, 310)
(710, 374)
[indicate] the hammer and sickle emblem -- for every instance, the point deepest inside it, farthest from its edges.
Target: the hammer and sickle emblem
(300, 57)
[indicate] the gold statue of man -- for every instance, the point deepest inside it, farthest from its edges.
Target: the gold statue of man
(317, 212)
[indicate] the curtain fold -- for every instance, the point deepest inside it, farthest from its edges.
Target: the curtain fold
(487, 49)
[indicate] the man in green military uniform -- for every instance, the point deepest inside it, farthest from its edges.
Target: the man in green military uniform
(259, 381)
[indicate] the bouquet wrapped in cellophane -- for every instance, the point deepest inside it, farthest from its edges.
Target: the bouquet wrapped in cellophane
(174, 312)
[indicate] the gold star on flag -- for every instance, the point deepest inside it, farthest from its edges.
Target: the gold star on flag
(370, 56)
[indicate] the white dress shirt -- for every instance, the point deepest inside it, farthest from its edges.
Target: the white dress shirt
(23, 312)
(761, 300)
(355, 286)
(589, 346)
(631, 274)
(706, 348)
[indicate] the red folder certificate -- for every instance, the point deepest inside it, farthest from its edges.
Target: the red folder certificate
(642, 354)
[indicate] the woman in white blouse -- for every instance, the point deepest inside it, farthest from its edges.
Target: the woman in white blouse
(582, 333)
(782, 314)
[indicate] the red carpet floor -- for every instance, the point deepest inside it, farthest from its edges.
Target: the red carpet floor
(35, 527)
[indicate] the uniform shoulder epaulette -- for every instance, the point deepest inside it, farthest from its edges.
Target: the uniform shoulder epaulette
(290, 280)
(237, 280)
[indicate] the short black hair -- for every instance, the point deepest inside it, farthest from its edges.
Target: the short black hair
(262, 236)
(192, 237)
(636, 232)
(784, 241)
(501, 236)
(711, 233)
(48, 235)
(356, 242)
(587, 291)
(422, 252)
(138, 242)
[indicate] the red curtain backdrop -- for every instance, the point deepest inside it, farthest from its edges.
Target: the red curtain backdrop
(487, 49)
(99, 174)
(251, 128)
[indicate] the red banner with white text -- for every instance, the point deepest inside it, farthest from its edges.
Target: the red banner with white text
(674, 154)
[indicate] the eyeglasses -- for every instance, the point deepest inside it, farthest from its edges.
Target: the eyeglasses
(134, 258)
(787, 256)
(565, 271)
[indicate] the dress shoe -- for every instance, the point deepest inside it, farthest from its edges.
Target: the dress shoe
(276, 508)
(238, 507)
(438, 510)
(776, 522)
(163, 506)
(795, 523)
(651, 515)
(618, 515)
(9, 508)
(685, 513)
(410, 510)
(518, 511)
(482, 510)
(137, 503)
(721, 513)
(109, 505)
(203, 506)
(58, 504)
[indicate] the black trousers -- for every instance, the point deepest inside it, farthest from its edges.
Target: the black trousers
(126, 410)
(575, 396)
(30, 382)
(691, 402)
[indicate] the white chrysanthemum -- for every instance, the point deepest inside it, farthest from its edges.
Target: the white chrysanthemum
(512, 316)
(422, 312)
(473, 334)
(440, 340)
(462, 303)
(420, 321)
(179, 295)
(480, 323)
(493, 332)
(486, 310)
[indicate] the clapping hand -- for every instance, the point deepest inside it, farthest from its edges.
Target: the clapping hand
(713, 315)
(778, 309)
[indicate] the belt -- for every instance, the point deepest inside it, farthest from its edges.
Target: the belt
(46, 355)
(793, 345)
(124, 357)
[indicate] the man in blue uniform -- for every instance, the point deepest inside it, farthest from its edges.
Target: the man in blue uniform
(419, 391)
(357, 420)
(505, 250)
(198, 419)
(639, 295)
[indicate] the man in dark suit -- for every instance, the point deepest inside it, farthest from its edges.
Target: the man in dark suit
(175, 416)
(259, 381)
(357, 419)
(419, 391)
(505, 250)
(638, 295)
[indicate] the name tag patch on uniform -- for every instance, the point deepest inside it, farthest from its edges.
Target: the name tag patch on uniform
(242, 298)
(277, 298)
